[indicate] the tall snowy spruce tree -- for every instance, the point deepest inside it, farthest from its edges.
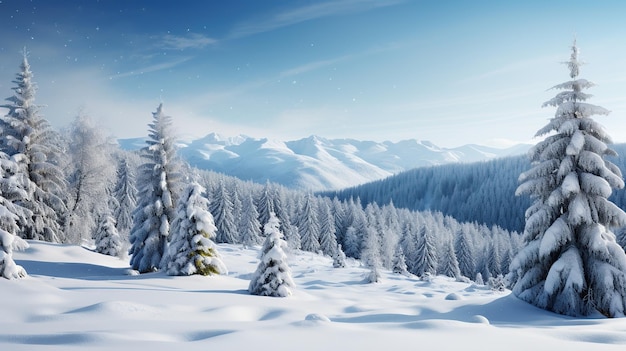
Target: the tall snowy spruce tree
(273, 275)
(29, 139)
(571, 263)
(158, 181)
(191, 249)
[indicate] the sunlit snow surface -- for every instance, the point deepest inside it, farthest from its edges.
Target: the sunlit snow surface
(74, 297)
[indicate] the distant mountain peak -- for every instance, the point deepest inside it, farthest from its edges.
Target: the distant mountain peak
(316, 163)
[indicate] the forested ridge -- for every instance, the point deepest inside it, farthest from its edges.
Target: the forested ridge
(482, 192)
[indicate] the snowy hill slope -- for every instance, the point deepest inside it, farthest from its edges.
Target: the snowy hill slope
(316, 163)
(79, 299)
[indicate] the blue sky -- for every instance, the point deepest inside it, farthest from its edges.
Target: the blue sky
(452, 72)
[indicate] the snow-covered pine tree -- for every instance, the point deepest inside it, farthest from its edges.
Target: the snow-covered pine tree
(90, 176)
(390, 229)
(292, 236)
(494, 256)
(426, 254)
(328, 240)
(464, 252)
(370, 252)
(352, 242)
(356, 230)
(235, 196)
(408, 241)
(479, 279)
(371, 257)
(191, 249)
(125, 194)
(28, 138)
(339, 258)
(222, 210)
(273, 275)
(339, 215)
(399, 262)
(108, 241)
(571, 263)
(448, 263)
(482, 266)
(265, 205)
(158, 185)
(11, 190)
(249, 224)
(308, 225)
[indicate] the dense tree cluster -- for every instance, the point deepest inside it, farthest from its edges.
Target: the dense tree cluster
(482, 192)
(422, 237)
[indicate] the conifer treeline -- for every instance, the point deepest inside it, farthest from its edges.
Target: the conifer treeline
(482, 192)
(427, 242)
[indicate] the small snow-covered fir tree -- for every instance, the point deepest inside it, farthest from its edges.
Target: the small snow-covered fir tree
(448, 263)
(370, 255)
(108, 241)
(249, 224)
(571, 263)
(308, 225)
(28, 139)
(191, 249)
(9, 242)
(222, 209)
(464, 252)
(125, 194)
(273, 275)
(399, 262)
(352, 243)
(265, 205)
(339, 258)
(11, 189)
(479, 279)
(426, 254)
(356, 230)
(291, 233)
(159, 182)
(328, 240)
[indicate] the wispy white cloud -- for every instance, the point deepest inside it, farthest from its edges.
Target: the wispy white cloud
(519, 67)
(307, 13)
(151, 68)
(189, 41)
(312, 66)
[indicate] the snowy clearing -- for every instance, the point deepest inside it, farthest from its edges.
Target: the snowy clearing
(76, 298)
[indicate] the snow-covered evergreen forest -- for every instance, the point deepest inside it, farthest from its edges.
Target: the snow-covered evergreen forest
(486, 190)
(76, 186)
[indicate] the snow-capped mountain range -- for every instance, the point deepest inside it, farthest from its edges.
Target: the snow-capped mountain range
(316, 163)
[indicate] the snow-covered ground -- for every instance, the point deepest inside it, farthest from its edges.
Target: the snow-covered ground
(78, 299)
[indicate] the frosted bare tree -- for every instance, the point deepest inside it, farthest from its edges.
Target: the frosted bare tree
(91, 172)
